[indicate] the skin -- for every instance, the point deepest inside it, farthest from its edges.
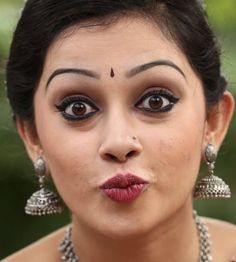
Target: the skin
(82, 155)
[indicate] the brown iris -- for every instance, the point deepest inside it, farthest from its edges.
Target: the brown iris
(155, 102)
(78, 109)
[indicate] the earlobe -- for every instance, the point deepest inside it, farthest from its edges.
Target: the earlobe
(218, 120)
(28, 134)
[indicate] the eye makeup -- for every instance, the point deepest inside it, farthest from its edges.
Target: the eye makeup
(76, 108)
(157, 101)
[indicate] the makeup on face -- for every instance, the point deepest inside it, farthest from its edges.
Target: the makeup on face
(124, 188)
(130, 73)
(79, 107)
(112, 74)
(87, 119)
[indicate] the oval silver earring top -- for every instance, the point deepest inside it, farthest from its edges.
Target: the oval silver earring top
(40, 166)
(210, 153)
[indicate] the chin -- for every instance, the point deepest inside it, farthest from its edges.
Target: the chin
(125, 233)
(126, 228)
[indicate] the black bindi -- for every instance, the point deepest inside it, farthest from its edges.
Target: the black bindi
(112, 74)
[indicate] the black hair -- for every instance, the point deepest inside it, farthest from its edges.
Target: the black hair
(183, 21)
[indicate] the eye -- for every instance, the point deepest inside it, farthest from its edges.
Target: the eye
(76, 108)
(157, 101)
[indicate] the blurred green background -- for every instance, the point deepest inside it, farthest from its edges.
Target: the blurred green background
(17, 180)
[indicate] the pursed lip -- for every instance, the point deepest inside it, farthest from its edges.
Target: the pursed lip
(123, 181)
(124, 187)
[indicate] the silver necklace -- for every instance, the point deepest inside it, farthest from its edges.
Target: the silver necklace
(68, 254)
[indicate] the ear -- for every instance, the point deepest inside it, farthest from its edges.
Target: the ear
(218, 120)
(28, 134)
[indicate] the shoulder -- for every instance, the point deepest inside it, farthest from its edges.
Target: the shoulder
(223, 235)
(44, 249)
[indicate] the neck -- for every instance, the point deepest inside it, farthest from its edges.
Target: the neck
(168, 241)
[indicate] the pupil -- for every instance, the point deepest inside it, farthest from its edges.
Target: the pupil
(155, 102)
(78, 109)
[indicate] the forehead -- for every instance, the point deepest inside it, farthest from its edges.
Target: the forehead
(125, 43)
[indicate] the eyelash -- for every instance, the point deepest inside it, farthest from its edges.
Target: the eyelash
(161, 93)
(69, 102)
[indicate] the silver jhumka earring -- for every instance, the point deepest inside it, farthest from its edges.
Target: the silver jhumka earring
(211, 186)
(44, 201)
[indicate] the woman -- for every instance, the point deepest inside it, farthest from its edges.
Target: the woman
(104, 95)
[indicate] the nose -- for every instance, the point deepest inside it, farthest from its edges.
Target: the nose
(119, 142)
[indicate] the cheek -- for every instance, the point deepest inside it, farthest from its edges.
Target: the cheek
(176, 147)
(69, 155)
(66, 148)
(70, 165)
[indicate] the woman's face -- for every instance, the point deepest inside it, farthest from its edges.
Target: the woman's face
(120, 102)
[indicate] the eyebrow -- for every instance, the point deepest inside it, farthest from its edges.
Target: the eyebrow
(78, 71)
(134, 71)
(141, 68)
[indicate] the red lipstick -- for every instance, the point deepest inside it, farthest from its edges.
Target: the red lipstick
(124, 188)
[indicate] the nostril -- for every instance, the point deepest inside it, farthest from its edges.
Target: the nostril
(110, 157)
(130, 154)
(113, 157)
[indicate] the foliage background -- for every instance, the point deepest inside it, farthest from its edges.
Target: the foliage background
(17, 181)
